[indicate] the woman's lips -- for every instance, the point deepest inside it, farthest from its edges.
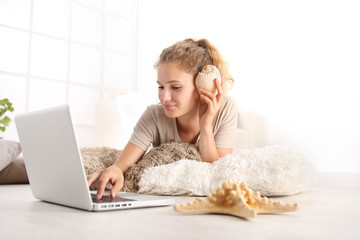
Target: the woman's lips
(169, 106)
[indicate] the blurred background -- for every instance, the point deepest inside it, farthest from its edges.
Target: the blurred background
(296, 64)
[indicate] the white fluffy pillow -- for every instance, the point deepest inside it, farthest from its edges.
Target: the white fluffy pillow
(272, 170)
(9, 150)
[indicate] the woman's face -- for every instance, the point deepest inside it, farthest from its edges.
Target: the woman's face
(177, 92)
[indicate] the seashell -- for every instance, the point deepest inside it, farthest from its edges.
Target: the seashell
(235, 199)
(205, 78)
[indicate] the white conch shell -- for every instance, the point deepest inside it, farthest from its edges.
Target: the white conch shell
(205, 78)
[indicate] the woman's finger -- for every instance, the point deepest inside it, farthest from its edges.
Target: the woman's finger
(207, 93)
(206, 99)
(116, 189)
(93, 177)
(103, 180)
(209, 102)
(220, 88)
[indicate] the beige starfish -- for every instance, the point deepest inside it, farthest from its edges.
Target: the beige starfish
(235, 199)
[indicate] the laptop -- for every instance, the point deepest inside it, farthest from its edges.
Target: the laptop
(55, 168)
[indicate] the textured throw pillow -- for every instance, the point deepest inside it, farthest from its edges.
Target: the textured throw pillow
(9, 150)
(166, 170)
(15, 172)
(103, 157)
(161, 155)
(271, 170)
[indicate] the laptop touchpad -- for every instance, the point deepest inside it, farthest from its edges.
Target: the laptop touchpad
(107, 199)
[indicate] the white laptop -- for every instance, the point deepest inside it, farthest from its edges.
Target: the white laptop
(55, 168)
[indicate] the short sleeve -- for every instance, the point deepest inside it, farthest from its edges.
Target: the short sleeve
(145, 131)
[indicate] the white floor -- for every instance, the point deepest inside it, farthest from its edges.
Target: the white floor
(330, 210)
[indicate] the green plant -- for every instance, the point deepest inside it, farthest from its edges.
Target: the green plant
(5, 105)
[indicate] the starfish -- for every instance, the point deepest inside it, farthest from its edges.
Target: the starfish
(235, 199)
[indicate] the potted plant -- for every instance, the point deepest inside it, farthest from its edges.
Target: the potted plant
(5, 105)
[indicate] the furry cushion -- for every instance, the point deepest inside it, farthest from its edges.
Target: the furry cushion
(272, 170)
(103, 157)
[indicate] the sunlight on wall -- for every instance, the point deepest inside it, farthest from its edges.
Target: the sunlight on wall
(66, 51)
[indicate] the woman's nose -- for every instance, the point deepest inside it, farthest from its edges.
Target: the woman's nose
(165, 96)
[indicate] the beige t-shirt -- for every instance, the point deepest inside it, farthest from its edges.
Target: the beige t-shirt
(155, 128)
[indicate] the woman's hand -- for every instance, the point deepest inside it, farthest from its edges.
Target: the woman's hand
(102, 177)
(210, 104)
(114, 175)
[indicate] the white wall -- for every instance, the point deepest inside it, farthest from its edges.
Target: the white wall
(66, 51)
(296, 65)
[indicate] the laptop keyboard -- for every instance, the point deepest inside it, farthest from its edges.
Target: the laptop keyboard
(108, 199)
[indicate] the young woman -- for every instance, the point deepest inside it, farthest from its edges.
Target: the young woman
(184, 113)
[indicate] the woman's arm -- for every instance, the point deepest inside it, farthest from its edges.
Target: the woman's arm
(208, 150)
(209, 105)
(115, 173)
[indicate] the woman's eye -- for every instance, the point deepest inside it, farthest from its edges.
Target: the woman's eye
(176, 88)
(160, 87)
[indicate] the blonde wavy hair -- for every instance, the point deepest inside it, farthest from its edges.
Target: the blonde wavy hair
(192, 55)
